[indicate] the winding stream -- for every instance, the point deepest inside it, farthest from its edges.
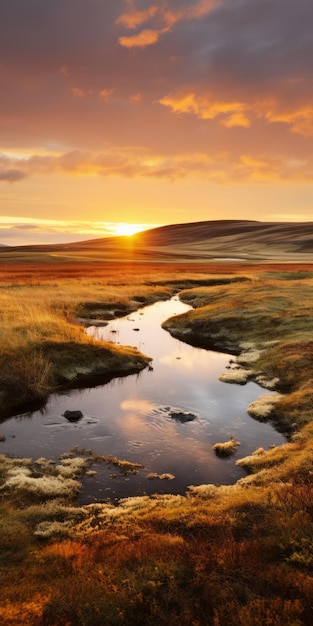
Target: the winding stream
(130, 417)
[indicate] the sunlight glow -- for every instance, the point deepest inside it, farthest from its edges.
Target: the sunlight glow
(37, 230)
(126, 230)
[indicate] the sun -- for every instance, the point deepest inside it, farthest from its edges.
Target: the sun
(127, 230)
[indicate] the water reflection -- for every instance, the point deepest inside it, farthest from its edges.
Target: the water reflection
(130, 416)
(137, 404)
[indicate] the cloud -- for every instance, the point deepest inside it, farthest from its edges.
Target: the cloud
(143, 39)
(12, 175)
(299, 120)
(134, 18)
(105, 94)
(163, 16)
(237, 119)
(218, 166)
(164, 13)
(229, 113)
(30, 227)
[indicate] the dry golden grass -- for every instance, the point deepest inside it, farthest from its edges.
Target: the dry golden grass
(239, 555)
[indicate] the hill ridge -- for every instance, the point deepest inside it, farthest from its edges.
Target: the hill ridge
(205, 240)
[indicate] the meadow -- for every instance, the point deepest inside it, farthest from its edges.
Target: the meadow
(239, 555)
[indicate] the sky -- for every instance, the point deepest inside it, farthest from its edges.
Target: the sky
(139, 112)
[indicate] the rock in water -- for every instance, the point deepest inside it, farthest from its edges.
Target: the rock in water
(73, 416)
(182, 417)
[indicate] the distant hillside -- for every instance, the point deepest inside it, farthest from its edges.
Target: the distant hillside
(243, 239)
(221, 239)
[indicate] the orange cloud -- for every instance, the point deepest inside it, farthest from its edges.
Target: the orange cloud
(242, 114)
(230, 114)
(165, 18)
(252, 162)
(145, 38)
(272, 169)
(135, 18)
(105, 94)
(188, 12)
(300, 119)
(219, 167)
(237, 119)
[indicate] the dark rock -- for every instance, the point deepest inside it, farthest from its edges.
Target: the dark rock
(73, 416)
(182, 417)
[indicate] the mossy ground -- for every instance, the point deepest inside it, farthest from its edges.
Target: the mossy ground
(239, 555)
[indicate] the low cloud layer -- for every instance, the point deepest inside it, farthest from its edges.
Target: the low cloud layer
(218, 167)
(12, 175)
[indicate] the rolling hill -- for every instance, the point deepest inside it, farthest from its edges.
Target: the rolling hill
(216, 240)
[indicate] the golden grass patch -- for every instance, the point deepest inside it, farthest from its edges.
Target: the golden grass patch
(239, 555)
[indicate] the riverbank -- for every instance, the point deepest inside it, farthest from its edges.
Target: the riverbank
(268, 324)
(43, 311)
(239, 555)
(44, 356)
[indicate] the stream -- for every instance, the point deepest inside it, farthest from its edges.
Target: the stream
(143, 417)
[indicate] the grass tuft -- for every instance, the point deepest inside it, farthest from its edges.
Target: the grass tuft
(227, 448)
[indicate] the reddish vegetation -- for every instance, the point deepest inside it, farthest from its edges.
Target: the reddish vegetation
(31, 272)
(239, 555)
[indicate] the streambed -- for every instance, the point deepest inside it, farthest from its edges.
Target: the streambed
(142, 418)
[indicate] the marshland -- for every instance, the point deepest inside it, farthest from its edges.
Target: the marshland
(238, 554)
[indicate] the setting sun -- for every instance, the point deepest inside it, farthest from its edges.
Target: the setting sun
(126, 230)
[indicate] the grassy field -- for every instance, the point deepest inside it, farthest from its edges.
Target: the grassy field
(239, 555)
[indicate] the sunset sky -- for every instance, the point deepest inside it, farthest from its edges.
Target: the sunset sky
(134, 111)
